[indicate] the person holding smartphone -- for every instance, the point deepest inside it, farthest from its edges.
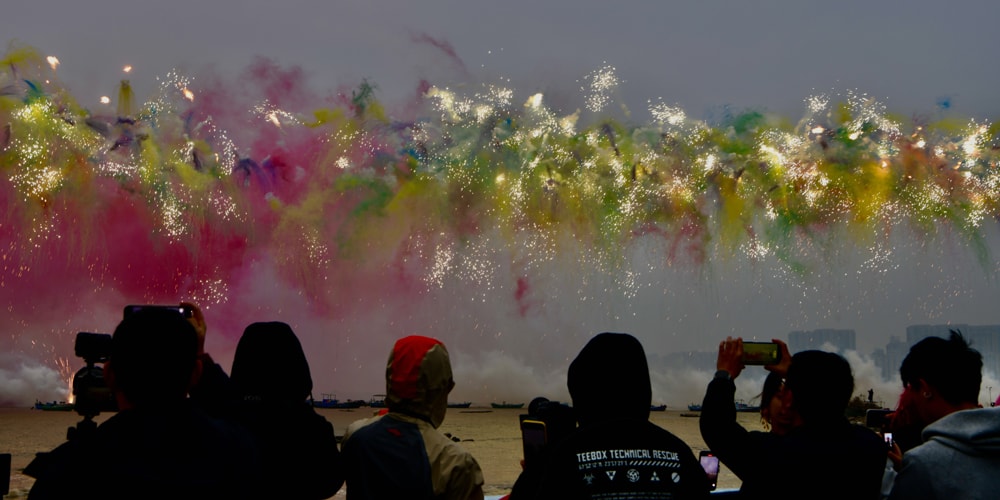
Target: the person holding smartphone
(823, 456)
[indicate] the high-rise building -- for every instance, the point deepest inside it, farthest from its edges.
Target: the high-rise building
(895, 351)
(878, 358)
(916, 333)
(986, 340)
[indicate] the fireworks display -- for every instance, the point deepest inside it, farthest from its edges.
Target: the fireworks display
(341, 202)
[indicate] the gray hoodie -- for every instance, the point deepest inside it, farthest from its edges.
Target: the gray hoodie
(960, 459)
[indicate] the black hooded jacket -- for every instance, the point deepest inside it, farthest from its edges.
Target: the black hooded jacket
(271, 383)
(617, 452)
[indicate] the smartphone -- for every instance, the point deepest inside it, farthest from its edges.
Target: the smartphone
(761, 353)
(534, 435)
(888, 439)
(876, 418)
(710, 463)
(185, 311)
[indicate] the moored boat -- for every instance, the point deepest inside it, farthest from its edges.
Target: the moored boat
(657, 408)
(377, 401)
(54, 406)
(740, 407)
(331, 401)
(464, 404)
(507, 405)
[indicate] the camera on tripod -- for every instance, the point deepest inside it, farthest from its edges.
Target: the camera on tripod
(90, 389)
(89, 386)
(547, 422)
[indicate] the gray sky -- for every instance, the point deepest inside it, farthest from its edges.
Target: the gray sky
(700, 55)
(762, 54)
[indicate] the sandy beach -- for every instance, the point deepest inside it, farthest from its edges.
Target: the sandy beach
(491, 435)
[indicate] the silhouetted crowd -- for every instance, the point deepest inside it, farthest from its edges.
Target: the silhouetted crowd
(186, 429)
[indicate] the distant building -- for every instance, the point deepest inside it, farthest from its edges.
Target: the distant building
(986, 340)
(878, 358)
(895, 351)
(916, 333)
(823, 339)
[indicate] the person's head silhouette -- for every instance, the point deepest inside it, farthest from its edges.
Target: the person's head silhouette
(154, 358)
(269, 366)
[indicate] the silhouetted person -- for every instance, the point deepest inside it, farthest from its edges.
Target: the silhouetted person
(159, 444)
(960, 456)
(616, 452)
(271, 381)
(824, 457)
(401, 454)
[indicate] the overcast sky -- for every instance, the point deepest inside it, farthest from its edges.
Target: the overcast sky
(917, 57)
(700, 54)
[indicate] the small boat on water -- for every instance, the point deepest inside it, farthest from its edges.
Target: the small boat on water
(54, 406)
(464, 404)
(507, 405)
(740, 407)
(658, 408)
(331, 401)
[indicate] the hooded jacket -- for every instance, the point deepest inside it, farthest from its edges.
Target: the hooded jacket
(959, 459)
(269, 366)
(271, 382)
(401, 454)
(609, 380)
(617, 452)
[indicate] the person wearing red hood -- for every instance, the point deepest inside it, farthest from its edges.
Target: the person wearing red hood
(616, 452)
(401, 454)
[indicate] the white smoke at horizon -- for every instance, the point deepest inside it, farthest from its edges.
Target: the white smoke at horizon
(495, 377)
(23, 381)
(507, 346)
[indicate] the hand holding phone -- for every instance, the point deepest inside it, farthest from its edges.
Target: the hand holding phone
(730, 357)
(183, 310)
(534, 435)
(710, 463)
(877, 418)
(761, 353)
